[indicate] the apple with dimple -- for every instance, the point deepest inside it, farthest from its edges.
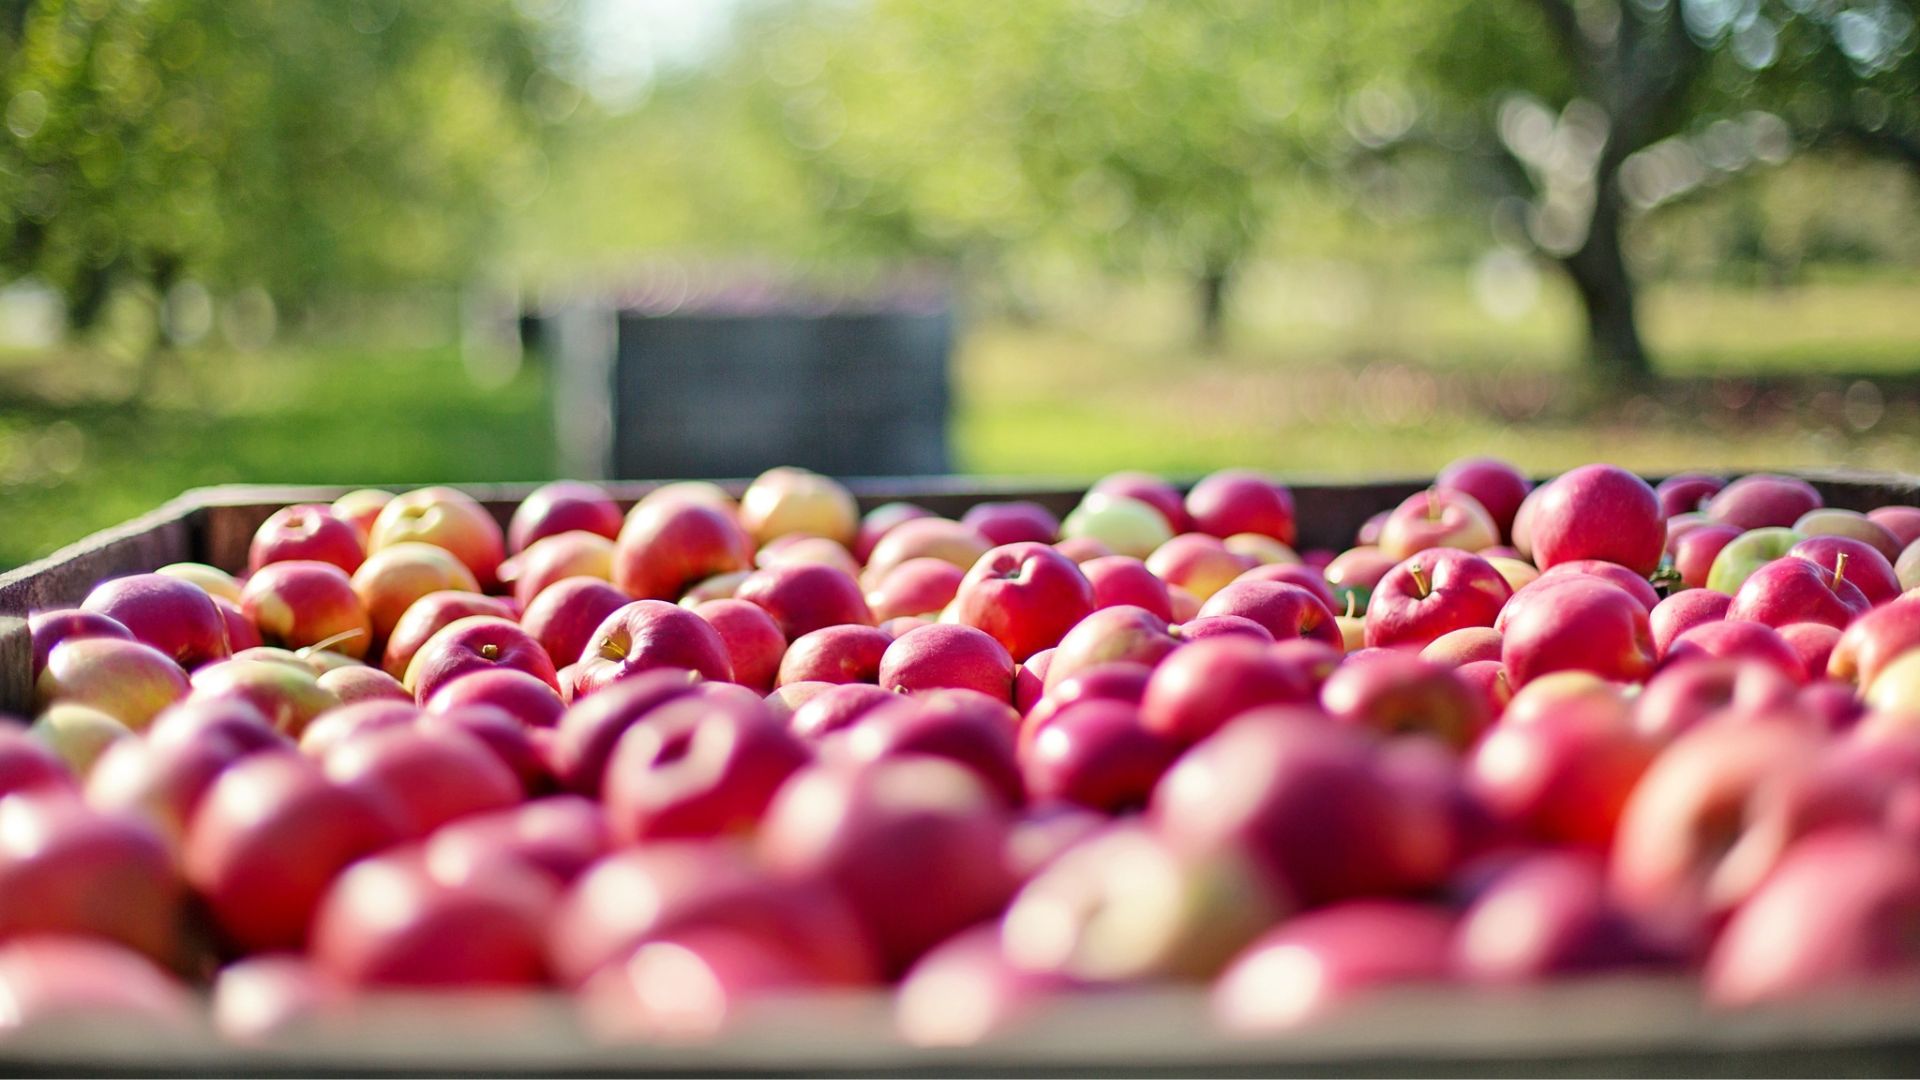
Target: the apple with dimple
(562, 506)
(394, 578)
(446, 518)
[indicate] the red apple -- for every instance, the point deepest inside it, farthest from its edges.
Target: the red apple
(1762, 500)
(1118, 580)
(1298, 574)
(241, 633)
(1496, 485)
(966, 991)
(1902, 521)
(173, 616)
(1202, 686)
(303, 603)
(1317, 962)
(788, 500)
(560, 507)
(553, 559)
(1400, 695)
(1437, 518)
(693, 769)
(1854, 561)
(647, 635)
(559, 836)
(260, 999)
(27, 765)
(67, 868)
(1014, 522)
(1578, 624)
(1109, 682)
(590, 727)
(1598, 512)
(835, 654)
(837, 707)
(1797, 590)
(1684, 695)
(1548, 914)
(1467, 645)
(429, 778)
(915, 587)
(64, 983)
(394, 578)
(1242, 501)
(1813, 642)
(881, 520)
(948, 655)
(126, 680)
(1198, 563)
(1229, 625)
(1358, 570)
(804, 597)
(428, 616)
(1488, 679)
(753, 643)
(1873, 640)
(962, 726)
(1686, 492)
(306, 532)
(389, 922)
(1096, 753)
(1681, 612)
(1110, 635)
(1027, 596)
(1612, 573)
(50, 628)
(1432, 593)
(525, 697)
(482, 643)
(1286, 611)
(1149, 489)
(1562, 761)
(446, 518)
(564, 616)
(666, 548)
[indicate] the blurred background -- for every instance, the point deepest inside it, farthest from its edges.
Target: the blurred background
(385, 241)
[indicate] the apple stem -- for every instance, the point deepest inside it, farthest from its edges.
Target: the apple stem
(1352, 600)
(1433, 505)
(1419, 580)
(1839, 569)
(329, 642)
(491, 652)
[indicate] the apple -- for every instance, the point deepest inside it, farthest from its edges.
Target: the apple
(527, 698)
(393, 578)
(1356, 571)
(1852, 525)
(1612, 573)
(1027, 596)
(754, 645)
(446, 518)
(1203, 685)
(1433, 518)
(803, 598)
(1874, 640)
(388, 921)
(1082, 549)
(27, 764)
(1014, 522)
(915, 587)
(267, 839)
(1598, 512)
(1763, 500)
(962, 726)
(592, 725)
(1577, 624)
(1467, 645)
(562, 506)
(1496, 485)
(521, 748)
(1306, 577)
(948, 655)
(302, 603)
(429, 615)
(1286, 611)
(1895, 688)
(1902, 521)
(352, 721)
(360, 508)
(1431, 594)
(1518, 573)
(835, 654)
(555, 558)
(1798, 590)
(1317, 962)
(1368, 534)
(126, 680)
(67, 868)
(836, 707)
(484, 643)
(1242, 501)
(693, 769)
(1681, 612)
(788, 500)
(306, 531)
(1684, 695)
(214, 581)
(1840, 910)
(687, 988)
(428, 778)
(881, 520)
(227, 720)
(1686, 492)
(796, 548)
(1120, 525)
(704, 492)
(78, 735)
(1740, 639)
(717, 587)
(1548, 914)
(1562, 762)
(258, 1000)
(1111, 635)
(1122, 682)
(565, 615)
(1309, 800)
(966, 991)
(50, 628)
(1265, 549)
(361, 683)
(1096, 753)
(242, 635)
(1198, 563)
(173, 616)
(908, 826)
(1853, 560)
(1399, 695)
(61, 982)
(1233, 625)
(558, 836)
(1744, 554)
(1814, 642)
(647, 635)
(667, 547)
(159, 783)
(1150, 489)
(1488, 679)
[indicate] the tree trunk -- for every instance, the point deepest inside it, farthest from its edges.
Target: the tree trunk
(1616, 354)
(1215, 280)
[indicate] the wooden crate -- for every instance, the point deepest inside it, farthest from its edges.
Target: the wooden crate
(1602, 1026)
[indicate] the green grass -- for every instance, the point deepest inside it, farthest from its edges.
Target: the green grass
(1111, 384)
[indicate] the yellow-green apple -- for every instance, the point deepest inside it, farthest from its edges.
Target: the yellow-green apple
(1402, 694)
(362, 683)
(1853, 560)
(1263, 549)
(127, 680)
(1798, 590)
(562, 506)
(1434, 518)
(77, 734)
(804, 597)
(1547, 914)
(1356, 571)
(1697, 550)
(962, 726)
(360, 508)
(217, 582)
(926, 538)
(1013, 522)
(288, 695)
(1198, 563)
(428, 778)
(1562, 762)
(50, 628)
(1842, 910)
(1201, 686)
(1241, 501)
(1467, 645)
(393, 578)
(753, 642)
(1318, 962)
(449, 519)
(1832, 521)
(836, 707)
(306, 531)
(1763, 500)
(1096, 753)
(1309, 800)
(1687, 492)
(528, 699)
(1903, 522)
(646, 635)
(302, 603)
(1518, 572)
(1740, 556)
(1109, 636)
(565, 615)
(1738, 639)
(556, 558)
(1285, 610)
(788, 500)
(915, 587)
(912, 825)
(881, 520)
(1027, 596)
(835, 654)
(1683, 611)
(1684, 695)
(1121, 525)
(394, 921)
(429, 615)
(1576, 624)
(174, 616)
(267, 839)
(1495, 484)
(1598, 512)
(671, 545)
(69, 869)
(1152, 490)
(947, 655)
(1431, 593)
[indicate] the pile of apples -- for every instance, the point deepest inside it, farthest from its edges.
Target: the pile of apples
(684, 761)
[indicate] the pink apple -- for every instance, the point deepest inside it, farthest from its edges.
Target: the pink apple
(1854, 561)
(1402, 694)
(306, 531)
(962, 726)
(1204, 685)
(1738, 639)
(260, 999)
(555, 558)
(1496, 485)
(428, 616)
(966, 991)
(389, 921)
(1286, 611)
(1198, 563)
(361, 683)
(1110, 635)
(526, 697)
(803, 598)
(58, 983)
(1432, 593)
(1852, 525)
(50, 628)
(1110, 682)
(695, 769)
(127, 680)
(1684, 695)
(446, 518)
(1234, 625)
(881, 520)
(1096, 753)
(1814, 642)
(1242, 501)
(1437, 517)
(947, 655)
(359, 509)
(68, 868)
(1149, 489)
(835, 654)
(1013, 522)
(1358, 570)
(1681, 612)
(1687, 492)
(1026, 596)
(1797, 590)
(1579, 624)
(27, 765)
(479, 643)
(1488, 679)
(1562, 761)
(1613, 573)
(565, 615)
(1306, 577)
(1084, 548)
(1547, 914)
(1598, 512)
(428, 778)
(559, 836)
(560, 507)
(1315, 963)
(1467, 645)
(1902, 521)
(241, 633)
(836, 707)
(302, 603)
(668, 547)
(647, 635)
(1762, 500)
(753, 643)
(915, 587)
(590, 727)
(173, 616)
